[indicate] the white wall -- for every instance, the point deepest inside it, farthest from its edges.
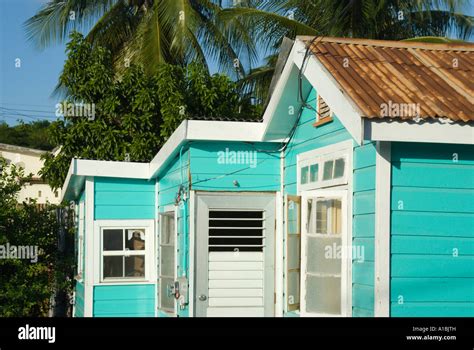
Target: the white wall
(32, 163)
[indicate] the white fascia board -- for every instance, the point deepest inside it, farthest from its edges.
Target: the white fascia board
(407, 131)
(205, 130)
(325, 84)
(277, 94)
(81, 168)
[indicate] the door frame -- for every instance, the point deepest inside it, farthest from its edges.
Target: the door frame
(346, 241)
(199, 243)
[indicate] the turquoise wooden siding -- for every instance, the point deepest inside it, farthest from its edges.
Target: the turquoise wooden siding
(79, 300)
(256, 167)
(134, 300)
(432, 230)
(363, 230)
(169, 181)
(307, 138)
(116, 198)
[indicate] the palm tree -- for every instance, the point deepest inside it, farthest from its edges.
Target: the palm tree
(148, 32)
(272, 20)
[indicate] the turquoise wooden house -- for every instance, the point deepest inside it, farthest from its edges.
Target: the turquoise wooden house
(354, 196)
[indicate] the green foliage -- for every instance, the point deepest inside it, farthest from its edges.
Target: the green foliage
(136, 113)
(32, 135)
(148, 32)
(25, 286)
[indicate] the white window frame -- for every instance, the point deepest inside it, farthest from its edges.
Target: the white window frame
(319, 156)
(346, 260)
(146, 225)
(174, 212)
(80, 240)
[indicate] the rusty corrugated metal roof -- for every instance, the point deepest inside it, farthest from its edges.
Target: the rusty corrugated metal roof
(396, 79)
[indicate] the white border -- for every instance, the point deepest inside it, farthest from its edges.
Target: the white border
(279, 288)
(435, 132)
(192, 252)
(346, 263)
(89, 248)
(382, 229)
(335, 150)
(150, 270)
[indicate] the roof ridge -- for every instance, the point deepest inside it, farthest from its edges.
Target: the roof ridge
(393, 43)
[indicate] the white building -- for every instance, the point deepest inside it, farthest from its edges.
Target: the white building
(30, 160)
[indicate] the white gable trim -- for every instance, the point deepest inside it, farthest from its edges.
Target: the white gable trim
(436, 132)
(326, 86)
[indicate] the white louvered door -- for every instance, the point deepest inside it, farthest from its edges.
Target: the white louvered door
(235, 268)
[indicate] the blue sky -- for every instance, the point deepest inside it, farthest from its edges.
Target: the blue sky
(25, 91)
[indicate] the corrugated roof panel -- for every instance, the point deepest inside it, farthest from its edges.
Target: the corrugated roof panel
(436, 78)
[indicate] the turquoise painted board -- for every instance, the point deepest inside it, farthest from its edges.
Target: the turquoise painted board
(123, 199)
(169, 181)
(235, 166)
(432, 243)
(363, 229)
(79, 300)
(134, 300)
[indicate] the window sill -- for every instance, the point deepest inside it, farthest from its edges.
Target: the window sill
(323, 121)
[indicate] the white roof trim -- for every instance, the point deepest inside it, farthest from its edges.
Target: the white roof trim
(204, 130)
(84, 167)
(349, 114)
(188, 130)
(427, 131)
(329, 89)
(279, 89)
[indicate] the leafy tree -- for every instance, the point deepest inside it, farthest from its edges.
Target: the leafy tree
(147, 32)
(26, 286)
(32, 135)
(135, 114)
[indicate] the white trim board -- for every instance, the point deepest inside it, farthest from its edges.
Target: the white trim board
(330, 90)
(382, 229)
(89, 248)
(428, 131)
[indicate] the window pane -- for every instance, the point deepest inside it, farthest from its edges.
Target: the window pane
(167, 261)
(339, 168)
(167, 229)
(328, 217)
(323, 294)
(327, 174)
(135, 240)
(321, 217)
(293, 287)
(311, 220)
(293, 217)
(135, 266)
(293, 254)
(113, 266)
(304, 175)
(324, 255)
(113, 240)
(313, 172)
(167, 301)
